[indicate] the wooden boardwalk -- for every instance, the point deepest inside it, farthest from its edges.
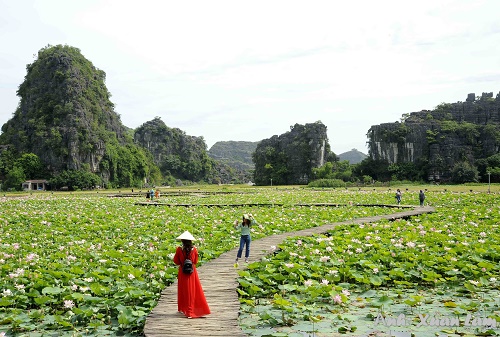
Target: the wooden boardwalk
(260, 204)
(219, 281)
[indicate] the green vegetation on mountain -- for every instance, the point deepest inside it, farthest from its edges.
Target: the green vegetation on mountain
(175, 153)
(290, 158)
(65, 130)
(237, 154)
(66, 119)
(455, 142)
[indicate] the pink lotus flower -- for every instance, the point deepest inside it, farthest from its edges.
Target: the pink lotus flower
(411, 244)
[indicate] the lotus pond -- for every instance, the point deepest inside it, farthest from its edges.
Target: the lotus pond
(433, 275)
(76, 264)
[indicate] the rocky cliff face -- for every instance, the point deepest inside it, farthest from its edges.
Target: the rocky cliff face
(452, 133)
(56, 115)
(66, 118)
(289, 158)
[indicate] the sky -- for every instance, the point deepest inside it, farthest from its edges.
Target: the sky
(248, 70)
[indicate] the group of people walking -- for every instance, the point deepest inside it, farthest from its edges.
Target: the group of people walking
(152, 194)
(399, 196)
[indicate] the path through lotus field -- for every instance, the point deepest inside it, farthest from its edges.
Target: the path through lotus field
(85, 264)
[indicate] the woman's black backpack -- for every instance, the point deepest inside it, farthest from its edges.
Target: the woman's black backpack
(187, 266)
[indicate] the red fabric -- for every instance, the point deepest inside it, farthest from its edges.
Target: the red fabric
(190, 297)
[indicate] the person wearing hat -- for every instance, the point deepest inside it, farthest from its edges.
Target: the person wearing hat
(190, 297)
(245, 239)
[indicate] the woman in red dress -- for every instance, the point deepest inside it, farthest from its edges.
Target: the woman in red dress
(190, 297)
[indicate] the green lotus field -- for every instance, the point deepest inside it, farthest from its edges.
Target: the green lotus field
(85, 264)
(433, 275)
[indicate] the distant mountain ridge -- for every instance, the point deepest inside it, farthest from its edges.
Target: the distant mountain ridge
(237, 154)
(353, 157)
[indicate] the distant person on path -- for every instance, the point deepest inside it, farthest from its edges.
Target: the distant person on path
(421, 198)
(245, 239)
(157, 193)
(398, 196)
(190, 297)
(151, 194)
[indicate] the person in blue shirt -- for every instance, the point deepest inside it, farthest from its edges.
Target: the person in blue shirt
(398, 196)
(247, 222)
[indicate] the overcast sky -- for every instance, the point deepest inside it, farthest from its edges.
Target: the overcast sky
(245, 71)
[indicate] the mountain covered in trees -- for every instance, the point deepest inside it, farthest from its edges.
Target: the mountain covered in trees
(183, 157)
(66, 119)
(65, 129)
(237, 154)
(175, 153)
(290, 158)
(457, 142)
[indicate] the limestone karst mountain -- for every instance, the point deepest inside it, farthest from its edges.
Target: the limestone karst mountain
(290, 157)
(450, 138)
(66, 118)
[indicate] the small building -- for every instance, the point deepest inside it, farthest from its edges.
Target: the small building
(35, 185)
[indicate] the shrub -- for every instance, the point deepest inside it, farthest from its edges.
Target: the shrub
(327, 183)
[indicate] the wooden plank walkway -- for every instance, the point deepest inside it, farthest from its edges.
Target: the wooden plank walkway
(219, 281)
(319, 204)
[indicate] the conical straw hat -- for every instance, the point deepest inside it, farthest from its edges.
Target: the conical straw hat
(186, 236)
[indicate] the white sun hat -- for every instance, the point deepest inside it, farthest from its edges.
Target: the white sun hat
(186, 236)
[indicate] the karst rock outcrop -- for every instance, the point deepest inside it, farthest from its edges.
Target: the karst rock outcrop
(439, 139)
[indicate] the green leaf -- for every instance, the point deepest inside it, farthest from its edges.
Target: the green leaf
(369, 293)
(42, 300)
(241, 292)
(375, 280)
(6, 301)
(52, 290)
(244, 273)
(278, 300)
